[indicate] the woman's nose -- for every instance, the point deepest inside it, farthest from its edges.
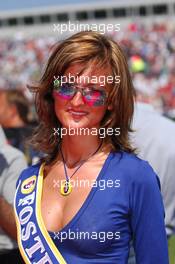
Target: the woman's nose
(77, 99)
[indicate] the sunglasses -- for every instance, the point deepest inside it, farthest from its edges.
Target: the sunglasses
(91, 96)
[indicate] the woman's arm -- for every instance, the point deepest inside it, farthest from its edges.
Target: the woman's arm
(147, 218)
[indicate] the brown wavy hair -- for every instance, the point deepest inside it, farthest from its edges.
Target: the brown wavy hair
(86, 48)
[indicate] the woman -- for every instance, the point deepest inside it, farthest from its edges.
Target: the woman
(91, 195)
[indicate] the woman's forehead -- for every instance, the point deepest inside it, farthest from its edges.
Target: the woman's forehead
(91, 70)
(92, 75)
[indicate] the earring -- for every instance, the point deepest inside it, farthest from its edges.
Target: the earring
(110, 107)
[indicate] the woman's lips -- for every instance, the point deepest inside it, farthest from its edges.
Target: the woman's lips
(77, 113)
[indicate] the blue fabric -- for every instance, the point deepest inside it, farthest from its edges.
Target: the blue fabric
(134, 209)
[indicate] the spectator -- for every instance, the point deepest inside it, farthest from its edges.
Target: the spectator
(12, 163)
(14, 109)
(14, 119)
(154, 139)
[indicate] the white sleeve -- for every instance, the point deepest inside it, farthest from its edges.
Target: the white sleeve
(15, 162)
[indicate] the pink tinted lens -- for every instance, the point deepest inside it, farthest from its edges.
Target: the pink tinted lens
(95, 98)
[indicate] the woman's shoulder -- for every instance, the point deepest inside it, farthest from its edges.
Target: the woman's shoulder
(129, 160)
(134, 169)
(29, 172)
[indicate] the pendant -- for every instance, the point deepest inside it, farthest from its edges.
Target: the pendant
(66, 188)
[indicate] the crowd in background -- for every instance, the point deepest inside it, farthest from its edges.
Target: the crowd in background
(151, 53)
(150, 49)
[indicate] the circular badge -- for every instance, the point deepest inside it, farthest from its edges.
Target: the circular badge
(28, 185)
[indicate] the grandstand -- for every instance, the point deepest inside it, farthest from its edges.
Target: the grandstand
(36, 17)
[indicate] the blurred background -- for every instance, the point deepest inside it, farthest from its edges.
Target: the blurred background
(27, 34)
(147, 34)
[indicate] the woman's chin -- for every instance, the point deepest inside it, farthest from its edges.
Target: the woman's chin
(83, 124)
(76, 125)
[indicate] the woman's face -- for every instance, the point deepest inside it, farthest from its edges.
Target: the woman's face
(76, 112)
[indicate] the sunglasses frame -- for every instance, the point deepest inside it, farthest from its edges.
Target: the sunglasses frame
(82, 90)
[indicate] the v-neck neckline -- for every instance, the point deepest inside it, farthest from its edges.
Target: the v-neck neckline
(85, 203)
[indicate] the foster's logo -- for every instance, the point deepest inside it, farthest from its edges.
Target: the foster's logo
(28, 185)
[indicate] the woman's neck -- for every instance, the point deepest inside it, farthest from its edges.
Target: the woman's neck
(78, 148)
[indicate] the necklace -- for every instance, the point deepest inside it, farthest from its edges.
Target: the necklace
(66, 186)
